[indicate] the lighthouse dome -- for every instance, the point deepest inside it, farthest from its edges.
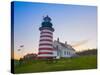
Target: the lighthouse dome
(47, 19)
(47, 22)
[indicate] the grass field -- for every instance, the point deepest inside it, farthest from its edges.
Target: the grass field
(77, 63)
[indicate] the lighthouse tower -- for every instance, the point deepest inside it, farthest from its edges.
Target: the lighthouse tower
(46, 39)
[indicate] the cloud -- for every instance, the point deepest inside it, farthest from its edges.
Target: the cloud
(80, 43)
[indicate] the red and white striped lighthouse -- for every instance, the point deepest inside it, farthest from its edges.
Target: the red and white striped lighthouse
(46, 39)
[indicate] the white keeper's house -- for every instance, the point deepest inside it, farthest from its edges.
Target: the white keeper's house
(63, 49)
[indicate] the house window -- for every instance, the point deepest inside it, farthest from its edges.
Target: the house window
(67, 53)
(64, 52)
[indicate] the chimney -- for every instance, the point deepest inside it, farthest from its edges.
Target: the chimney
(58, 39)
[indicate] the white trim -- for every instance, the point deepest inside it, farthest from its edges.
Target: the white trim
(45, 51)
(46, 30)
(46, 38)
(41, 42)
(45, 46)
(46, 34)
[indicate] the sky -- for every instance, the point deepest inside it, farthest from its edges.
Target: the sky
(72, 23)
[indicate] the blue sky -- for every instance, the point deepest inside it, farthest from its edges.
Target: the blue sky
(72, 23)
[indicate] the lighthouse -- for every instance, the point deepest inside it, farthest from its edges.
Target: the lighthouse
(46, 39)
